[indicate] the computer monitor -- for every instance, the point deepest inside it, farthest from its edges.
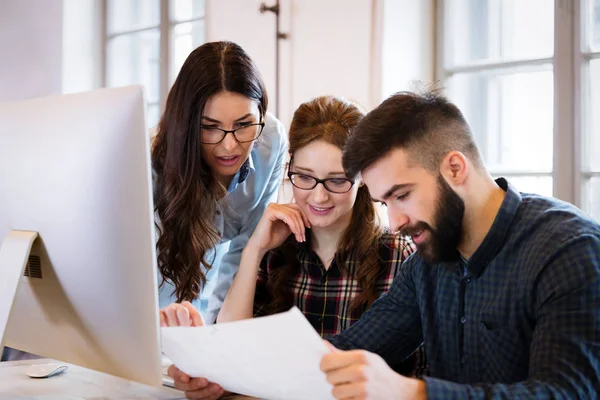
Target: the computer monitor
(75, 172)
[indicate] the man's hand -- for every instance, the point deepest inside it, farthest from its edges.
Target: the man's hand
(359, 374)
(195, 388)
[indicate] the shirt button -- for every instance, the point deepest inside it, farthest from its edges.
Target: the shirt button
(463, 360)
(468, 280)
(463, 320)
(218, 212)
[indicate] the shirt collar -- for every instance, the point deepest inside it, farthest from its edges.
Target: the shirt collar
(495, 238)
(304, 254)
(302, 251)
(242, 174)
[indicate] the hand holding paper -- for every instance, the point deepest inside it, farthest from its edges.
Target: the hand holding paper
(274, 357)
(181, 314)
(195, 388)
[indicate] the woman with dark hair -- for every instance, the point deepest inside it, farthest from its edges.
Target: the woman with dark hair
(218, 161)
(325, 254)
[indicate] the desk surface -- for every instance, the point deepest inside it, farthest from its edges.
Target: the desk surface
(76, 383)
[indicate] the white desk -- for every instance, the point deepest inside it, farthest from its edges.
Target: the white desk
(76, 383)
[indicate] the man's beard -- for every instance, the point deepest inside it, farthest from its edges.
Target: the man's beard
(443, 241)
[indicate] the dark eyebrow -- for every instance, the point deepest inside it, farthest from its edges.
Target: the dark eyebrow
(393, 189)
(216, 121)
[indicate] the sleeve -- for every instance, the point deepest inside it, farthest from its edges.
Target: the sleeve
(416, 364)
(231, 260)
(392, 326)
(564, 361)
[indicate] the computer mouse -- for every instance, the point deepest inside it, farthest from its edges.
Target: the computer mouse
(45, 370)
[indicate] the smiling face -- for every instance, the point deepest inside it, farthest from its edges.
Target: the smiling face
(227, 110)
(323, 160)
(419, 204)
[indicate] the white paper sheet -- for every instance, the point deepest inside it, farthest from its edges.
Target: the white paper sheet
(275, 357)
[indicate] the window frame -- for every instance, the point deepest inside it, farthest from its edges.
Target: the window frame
(166, 27)
(585, 57)
(571, 111)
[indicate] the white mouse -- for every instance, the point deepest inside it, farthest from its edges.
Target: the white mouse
(45, 370)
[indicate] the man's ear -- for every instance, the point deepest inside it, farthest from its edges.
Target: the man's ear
(455, 168)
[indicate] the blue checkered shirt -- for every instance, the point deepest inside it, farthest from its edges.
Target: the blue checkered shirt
(519, 319)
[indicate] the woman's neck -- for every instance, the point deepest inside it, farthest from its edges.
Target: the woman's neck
(325, 240)
(224, 180)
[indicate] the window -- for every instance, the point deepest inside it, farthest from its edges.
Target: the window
(147, 41)
(590, 65)
(497, 63)
(512, 66)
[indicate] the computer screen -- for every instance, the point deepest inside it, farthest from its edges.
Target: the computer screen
(76, 169)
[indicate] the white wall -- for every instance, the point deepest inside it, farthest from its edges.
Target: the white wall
(82, 45)
(49, 47)
(331, 50)
(240, 21)
(360, 49)
(31, 48)
(328, 50)
(408, 44)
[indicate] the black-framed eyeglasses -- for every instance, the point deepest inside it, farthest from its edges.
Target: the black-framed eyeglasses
(247, 133)
(307, 182)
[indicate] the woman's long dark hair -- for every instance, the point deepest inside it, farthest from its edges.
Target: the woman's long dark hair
(331, 119)
(185, 192)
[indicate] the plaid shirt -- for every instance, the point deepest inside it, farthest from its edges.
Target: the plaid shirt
(520, 318)
(324, 295)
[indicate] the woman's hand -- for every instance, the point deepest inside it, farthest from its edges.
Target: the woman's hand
(180, 314)
(195, 388)
(185, 314)
(276, 224)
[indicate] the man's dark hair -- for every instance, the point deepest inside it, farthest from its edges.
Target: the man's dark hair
(425, 124)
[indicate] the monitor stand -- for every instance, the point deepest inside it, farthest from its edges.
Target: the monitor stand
(14, 254)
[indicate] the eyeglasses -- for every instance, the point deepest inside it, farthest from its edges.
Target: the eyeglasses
(307, 182)
(247, 133)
